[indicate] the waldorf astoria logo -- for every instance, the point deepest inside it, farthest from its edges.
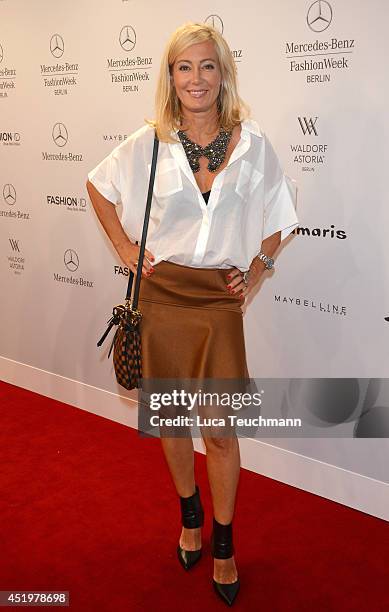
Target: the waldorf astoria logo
(216, 22)
(310, 154)
(324, 56)
(60, 138)
(71, 263)
(9, 198)
(319, 306)
(16, 261)
(7, 75)
(67, 202)
(131, 70)
(59, 77)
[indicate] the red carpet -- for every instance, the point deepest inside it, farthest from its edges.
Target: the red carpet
(88, 506)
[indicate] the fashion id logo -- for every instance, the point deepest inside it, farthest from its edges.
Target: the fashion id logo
(130, 71)
(67, 202)
(320, 59)
(310, 154)
(59, 77)
(60, 138)
(71, 264)
(7, 76)
(9, 139)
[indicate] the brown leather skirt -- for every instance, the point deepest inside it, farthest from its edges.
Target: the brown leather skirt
(191, 326)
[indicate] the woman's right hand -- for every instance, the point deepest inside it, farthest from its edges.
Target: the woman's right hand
(129, 254)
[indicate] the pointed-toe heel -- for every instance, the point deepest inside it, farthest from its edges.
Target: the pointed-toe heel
(227, 592)
(192, 516)
(222, 548)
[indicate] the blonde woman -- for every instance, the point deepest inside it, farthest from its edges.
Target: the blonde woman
(221, 206)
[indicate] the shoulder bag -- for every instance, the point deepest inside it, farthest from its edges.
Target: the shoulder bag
(126, 342)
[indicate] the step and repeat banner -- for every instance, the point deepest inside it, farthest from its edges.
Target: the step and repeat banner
(77, 78)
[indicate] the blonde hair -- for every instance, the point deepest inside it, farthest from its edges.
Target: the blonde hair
(232, 109)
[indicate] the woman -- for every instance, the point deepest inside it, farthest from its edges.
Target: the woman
(221, 205)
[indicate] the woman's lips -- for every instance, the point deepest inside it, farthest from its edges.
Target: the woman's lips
(197, 93)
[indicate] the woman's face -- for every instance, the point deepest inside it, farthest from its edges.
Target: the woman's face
(196, 76)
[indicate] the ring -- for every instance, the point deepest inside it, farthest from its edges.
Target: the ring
(246, 277)
(135, 264)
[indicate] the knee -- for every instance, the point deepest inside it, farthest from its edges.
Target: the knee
(220, 445)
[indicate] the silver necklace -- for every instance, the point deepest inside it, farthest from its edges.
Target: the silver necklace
(215, 151)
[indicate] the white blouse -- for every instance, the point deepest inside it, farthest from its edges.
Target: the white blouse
(251, 199)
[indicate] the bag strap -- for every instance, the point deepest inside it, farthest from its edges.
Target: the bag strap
(144, 233)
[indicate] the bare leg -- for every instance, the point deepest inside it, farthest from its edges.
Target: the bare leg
(179, 455)
(223, 466)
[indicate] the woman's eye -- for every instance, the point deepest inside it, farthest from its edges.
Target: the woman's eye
(183, 67)
(209, 66)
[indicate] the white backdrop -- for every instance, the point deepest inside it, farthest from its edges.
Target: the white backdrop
(76, 80)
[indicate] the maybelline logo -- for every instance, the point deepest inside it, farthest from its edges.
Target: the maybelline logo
(59, 76)
(318, 59)
(16, 261)
(309, 155)
(318, 232)
(129, 71)
(73, 203)
(7, 76)
(9, 197)
(318, 306)
(60, 138)
(72, 262)
(10, 138)
(115, 137)
(216, 22)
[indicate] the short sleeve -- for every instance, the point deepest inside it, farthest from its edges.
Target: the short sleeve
(280, 197)
(106, 178)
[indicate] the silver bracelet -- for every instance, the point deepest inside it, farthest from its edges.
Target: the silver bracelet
(268, 261)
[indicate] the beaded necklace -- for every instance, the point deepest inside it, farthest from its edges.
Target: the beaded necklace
(215, 151)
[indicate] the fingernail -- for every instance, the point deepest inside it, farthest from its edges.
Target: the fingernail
(228, 275)
(228, 286)
(232, 290)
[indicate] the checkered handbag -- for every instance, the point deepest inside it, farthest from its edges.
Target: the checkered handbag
(126, 342)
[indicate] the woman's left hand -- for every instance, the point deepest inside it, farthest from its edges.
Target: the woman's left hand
(236, 284)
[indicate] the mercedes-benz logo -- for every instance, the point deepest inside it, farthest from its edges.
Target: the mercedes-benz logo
(60, 134)
(319, 16)
(127, 38)
(57, 45)
(215, 22)
(1, 54)
(9, 194)
(71, 260)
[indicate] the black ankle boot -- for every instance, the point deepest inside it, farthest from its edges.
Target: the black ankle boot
(192, 516)
(222, 548)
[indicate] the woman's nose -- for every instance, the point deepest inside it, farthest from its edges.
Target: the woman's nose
(196, 75)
